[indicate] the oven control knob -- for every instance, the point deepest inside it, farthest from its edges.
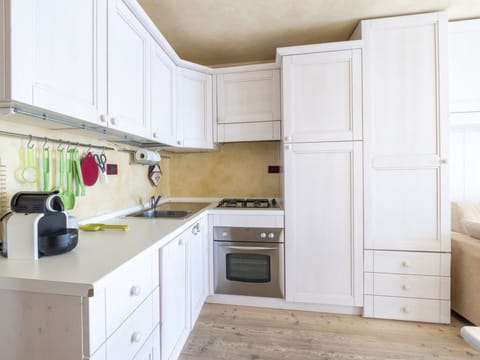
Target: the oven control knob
(263, 235)
(271, 235)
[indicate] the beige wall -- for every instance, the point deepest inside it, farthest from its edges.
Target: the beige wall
(237, 169)
(130, 187)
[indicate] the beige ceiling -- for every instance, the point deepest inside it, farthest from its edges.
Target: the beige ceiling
(214, 32)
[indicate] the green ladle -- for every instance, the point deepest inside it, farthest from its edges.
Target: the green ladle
(46, 169)
(61, 171)
(68, 196)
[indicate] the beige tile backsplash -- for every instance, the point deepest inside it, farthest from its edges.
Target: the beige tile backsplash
(237, 169)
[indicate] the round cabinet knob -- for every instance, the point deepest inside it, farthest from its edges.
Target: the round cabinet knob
(114, 121)
(103, 118)
(179, 142)
(405, 310)
(263, 235)
(405, 264)
(136, 337)
(405, 287)
(155, 135)
(288, 147)
(271, 235)
(444, 161)
(135, 290)
(287, 138)
(180, 242)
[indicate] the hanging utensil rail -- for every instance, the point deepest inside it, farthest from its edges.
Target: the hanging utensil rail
(57, 141)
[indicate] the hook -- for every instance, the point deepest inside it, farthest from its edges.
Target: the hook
(45, 144)
(60, 143)
(89, 148)
(68, 146)
(29, 144)
(103, 150)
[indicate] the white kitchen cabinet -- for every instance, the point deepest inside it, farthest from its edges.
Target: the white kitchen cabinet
(194, 109)
(55, 61)
(162, 96)
(184, 286)
(406, 190)
(198, 268)
(407, 220)
(174, 297)
(248, 105)
(127, 71)
(113, 323)
(322, 96)
(464, 72)
(323, 223)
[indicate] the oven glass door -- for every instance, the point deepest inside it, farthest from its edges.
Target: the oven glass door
(253, 269)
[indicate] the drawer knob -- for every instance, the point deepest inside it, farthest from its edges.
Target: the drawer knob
(135, 290)
(405, 287)
(406, 264)
(405, 310)
(136, 337)
(180, 242)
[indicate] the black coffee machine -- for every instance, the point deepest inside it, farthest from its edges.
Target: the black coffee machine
(37, 226)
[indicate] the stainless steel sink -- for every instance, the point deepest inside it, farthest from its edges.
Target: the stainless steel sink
(175, 210)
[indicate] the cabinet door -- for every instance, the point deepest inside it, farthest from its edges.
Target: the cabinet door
(198, 268)
(65, 47)
(194, 109)
(464, 57)
(322, 96)
(406, 134)
(162, 96)
(127, 71)
(248, 96)
(174, 308)
(323, 223)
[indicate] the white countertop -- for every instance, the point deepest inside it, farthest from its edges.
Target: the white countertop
(99, 253)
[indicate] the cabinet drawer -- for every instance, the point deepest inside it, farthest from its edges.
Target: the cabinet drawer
(126, 288)
(129, 338)
(417, 263)
(412, 286)
(400, 308)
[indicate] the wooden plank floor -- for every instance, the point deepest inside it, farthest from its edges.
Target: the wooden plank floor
(238, 332)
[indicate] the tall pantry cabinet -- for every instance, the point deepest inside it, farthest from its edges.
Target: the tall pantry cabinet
(407, 237)
(322, 132)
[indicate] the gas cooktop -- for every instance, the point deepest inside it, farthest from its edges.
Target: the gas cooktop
(237, 203)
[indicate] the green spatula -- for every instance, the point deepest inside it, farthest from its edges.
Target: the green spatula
(98, 227)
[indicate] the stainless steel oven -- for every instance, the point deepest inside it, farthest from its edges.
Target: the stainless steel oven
(249, 261)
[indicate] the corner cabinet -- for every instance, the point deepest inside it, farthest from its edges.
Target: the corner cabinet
(194, 109)
(407, 220)
(323, 223)
(248, 105)
(162, 96)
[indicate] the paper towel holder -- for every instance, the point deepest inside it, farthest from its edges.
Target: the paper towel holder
(146, 157)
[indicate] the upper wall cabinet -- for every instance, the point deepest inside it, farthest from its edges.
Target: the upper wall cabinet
(248, 106)
(162, 96)
(322, 96)
(194, 109)
(49, 52)
(127, 71)
(464, 60)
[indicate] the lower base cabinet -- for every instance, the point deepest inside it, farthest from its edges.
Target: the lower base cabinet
(184, 287)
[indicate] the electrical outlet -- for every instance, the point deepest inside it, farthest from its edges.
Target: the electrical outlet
(273, 169)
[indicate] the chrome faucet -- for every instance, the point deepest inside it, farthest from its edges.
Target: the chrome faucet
(154, 201)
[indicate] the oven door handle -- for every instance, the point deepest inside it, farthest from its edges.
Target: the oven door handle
(248, 248)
